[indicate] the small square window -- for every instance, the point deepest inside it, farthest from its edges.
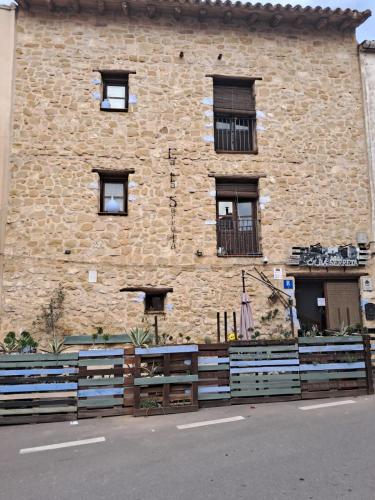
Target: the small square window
(115, 91)
(113, 192)
(154, 302)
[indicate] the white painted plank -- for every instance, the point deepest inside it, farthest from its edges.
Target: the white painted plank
(332, 366)
(265, 362)
(331, 348)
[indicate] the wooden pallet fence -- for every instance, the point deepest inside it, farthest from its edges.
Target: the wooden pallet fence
(264, 373)
(129, 367)
(332, 367)
(38, 388)
(213, 369)
(101, 383)
(165, 380)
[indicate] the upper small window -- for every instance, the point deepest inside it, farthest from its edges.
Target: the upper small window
(234, 116)
(115, 91)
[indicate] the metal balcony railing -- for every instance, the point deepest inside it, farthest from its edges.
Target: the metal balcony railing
(234, 134)
(237, 236)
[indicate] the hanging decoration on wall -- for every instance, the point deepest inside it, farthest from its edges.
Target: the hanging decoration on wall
(172, 199)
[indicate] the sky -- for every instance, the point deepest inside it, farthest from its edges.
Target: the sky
(365, 32)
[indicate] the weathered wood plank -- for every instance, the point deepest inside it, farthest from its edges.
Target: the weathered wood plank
(265, 363)
(332, 375)
(37, 371)
(331, 348)
(38, 357)
(265, 392)
(327, 340)
(173, 379)
(165, 349)
(212, 396)
(39, 410)
(100, 381)
(263, 349)
(332, 366)
(99, 402)
(86, 393)
(207, 368)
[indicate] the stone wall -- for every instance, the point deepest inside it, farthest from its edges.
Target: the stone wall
(311, 149)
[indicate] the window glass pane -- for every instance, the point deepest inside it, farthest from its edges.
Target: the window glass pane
(113, 197)
(225, 208)
(116, 103)
(245, 208)
(115, 91)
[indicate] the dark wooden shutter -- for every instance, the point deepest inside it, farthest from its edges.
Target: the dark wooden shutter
(342, 304)
(232, 97)
(237, 189)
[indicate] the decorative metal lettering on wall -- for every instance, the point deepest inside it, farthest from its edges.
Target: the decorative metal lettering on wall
(318, 256)
(172, 200)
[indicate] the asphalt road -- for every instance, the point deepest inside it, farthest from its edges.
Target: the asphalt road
(276, 452)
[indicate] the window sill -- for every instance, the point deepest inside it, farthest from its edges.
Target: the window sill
(114, 110)
(154, 312)
(113, 213)
(220, 152)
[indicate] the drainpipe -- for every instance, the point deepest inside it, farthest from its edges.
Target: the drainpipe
(7, 59)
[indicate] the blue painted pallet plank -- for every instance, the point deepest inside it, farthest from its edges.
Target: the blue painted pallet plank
(281, 369)
(207, 389)
(166, 349)
(101, 352)
(266, 362)
(85, 393)
(36, 371)
(331, 348)
(332, 366)
(67, 386)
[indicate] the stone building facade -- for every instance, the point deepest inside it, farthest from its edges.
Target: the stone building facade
(309, 169)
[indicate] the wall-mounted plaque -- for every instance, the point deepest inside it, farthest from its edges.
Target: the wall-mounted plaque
(318, 256)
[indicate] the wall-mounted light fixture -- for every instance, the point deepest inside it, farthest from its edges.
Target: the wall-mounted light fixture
(181, 54)
(199, 253)
(67, 251)
(220, 56)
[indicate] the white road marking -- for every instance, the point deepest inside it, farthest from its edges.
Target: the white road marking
(62, 445)
(209, 422)
(326, 405)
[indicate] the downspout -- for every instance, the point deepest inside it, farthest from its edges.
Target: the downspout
(7, 63)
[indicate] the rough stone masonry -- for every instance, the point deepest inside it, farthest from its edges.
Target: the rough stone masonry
(312, 164)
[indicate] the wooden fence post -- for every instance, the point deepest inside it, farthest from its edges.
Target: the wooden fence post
(218, 326)
(235, 324)
(368, 363)
(225, 326)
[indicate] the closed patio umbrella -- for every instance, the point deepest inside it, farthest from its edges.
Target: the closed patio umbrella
(246, 317)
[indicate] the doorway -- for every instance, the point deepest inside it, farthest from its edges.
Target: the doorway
(327, 303)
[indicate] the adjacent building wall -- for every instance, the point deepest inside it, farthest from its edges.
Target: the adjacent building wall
(311, 144)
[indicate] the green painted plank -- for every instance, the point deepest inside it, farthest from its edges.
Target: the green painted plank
(38, 357)
(254, 356)
(101, 361)
(100, 381)
(39, 410)
(329, 340)
(273, 385)
(212, 368)
(253, 377)
(38, 364)
(174, 379)
(268, 349)
(99, 402)
(265, 392)
(332, 375)
(206, 397)
(87, 339)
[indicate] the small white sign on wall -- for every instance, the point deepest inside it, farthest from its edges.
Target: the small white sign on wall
(321, 302)
(277, 273)
(366, 284)
(93, 276)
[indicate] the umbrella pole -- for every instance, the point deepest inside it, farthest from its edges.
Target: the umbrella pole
(243, 281)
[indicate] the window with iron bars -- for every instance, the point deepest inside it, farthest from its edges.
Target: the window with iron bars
(234, 115)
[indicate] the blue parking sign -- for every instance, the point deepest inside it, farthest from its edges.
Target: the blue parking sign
(288, 284)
